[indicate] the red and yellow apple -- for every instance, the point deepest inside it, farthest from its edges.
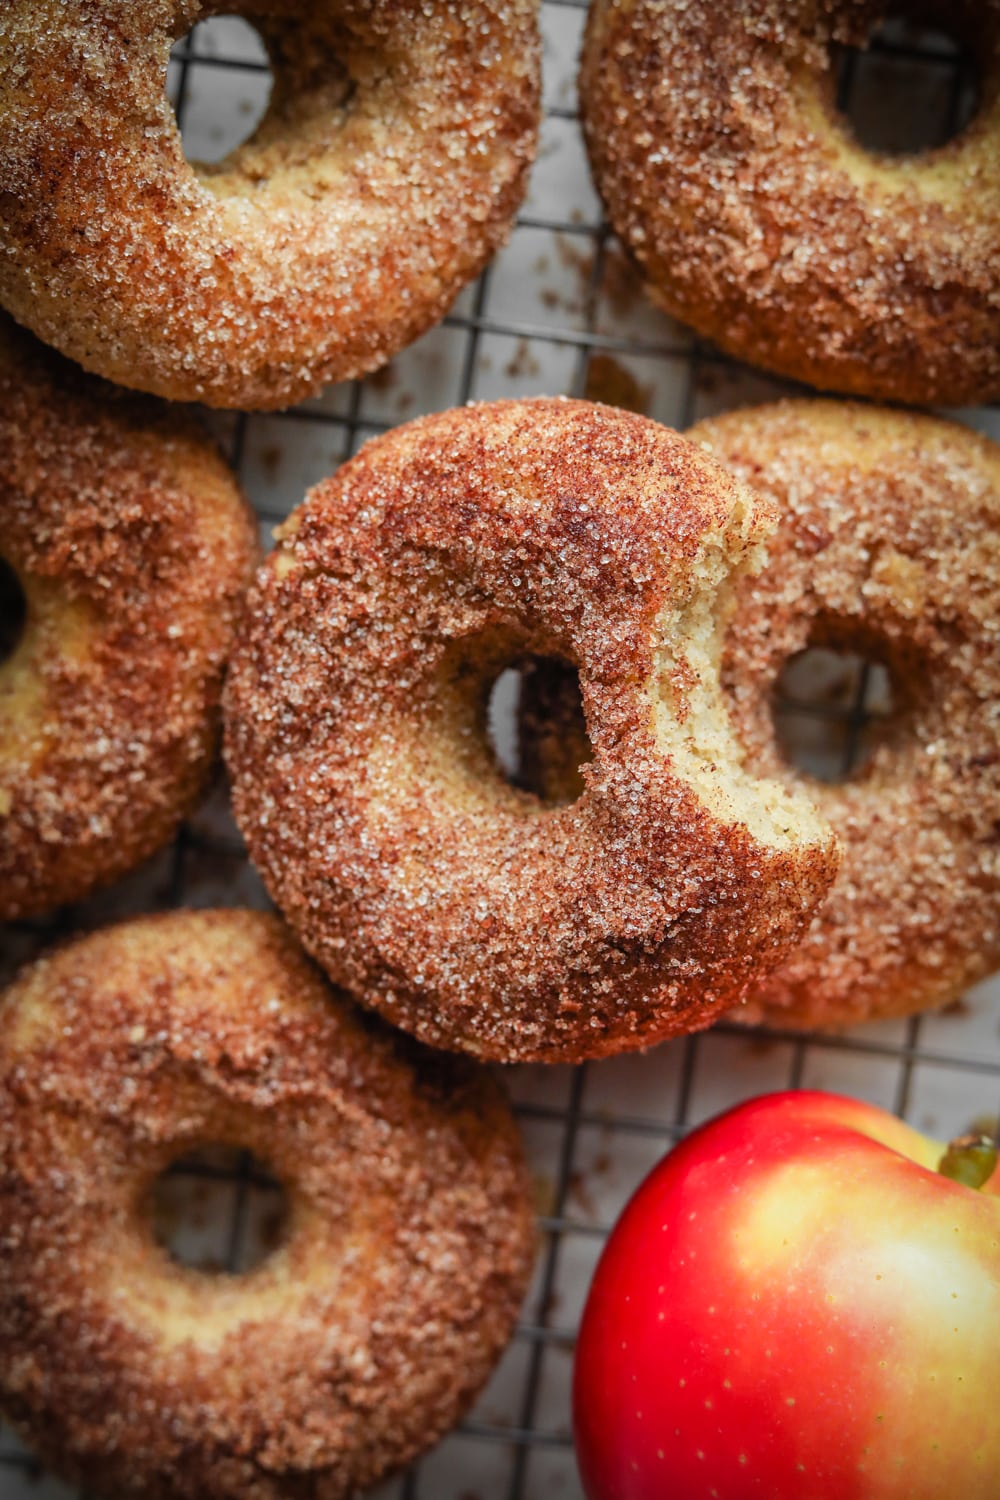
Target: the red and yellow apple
(798, 1304)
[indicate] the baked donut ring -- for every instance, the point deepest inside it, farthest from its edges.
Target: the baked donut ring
(456, 904)
(889, 546)
(757, 217)
(361, 1339)
(126, 546)
(385, 173)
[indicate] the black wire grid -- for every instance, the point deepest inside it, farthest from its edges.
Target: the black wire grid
(556, 312)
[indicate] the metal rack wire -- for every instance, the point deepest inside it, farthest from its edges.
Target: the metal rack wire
(553, 305)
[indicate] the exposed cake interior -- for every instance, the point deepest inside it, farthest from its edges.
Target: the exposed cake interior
(690, 717)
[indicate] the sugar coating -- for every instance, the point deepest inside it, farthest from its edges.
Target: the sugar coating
(134, 547)
(758, 219)
(889, 545)
(459, 906)
(386, 172)
(364, 1336)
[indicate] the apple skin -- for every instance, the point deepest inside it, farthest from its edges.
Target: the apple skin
(795, 1305)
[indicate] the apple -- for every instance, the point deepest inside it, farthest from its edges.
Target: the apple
(797, 1304)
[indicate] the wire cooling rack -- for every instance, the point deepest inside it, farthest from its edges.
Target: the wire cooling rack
(558, 311)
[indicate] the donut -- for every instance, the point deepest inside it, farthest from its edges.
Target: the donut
(889, 546)
(458, 905)
(368, 1331)
(756, 216)
(125, 551)
(385, 173)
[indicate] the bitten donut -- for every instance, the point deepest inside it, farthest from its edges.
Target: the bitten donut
(889, 546)
(364, 1335)
(461, 907)
(385, 173)
(758, 218)
(125, 551)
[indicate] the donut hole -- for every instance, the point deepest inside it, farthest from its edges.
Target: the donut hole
(243, 126)
(832, 708)
(219, 83)
(911, 88)
(218, 1210)
(13, 611)
(537, 730)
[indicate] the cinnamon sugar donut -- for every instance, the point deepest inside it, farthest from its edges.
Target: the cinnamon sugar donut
(889, 546)
(456, 904)
(126, 546)
(759, 219)
(385, 173)
(361, 1339)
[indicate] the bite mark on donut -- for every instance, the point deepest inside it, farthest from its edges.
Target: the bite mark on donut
(690, 715)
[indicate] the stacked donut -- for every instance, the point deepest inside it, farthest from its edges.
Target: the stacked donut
(657, 865)
(383, 176)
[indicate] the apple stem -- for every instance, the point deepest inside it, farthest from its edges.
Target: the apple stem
(970, 1159)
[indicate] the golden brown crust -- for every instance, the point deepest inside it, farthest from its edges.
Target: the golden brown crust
(365, 786)
(551, 732)
(361, 1340)
(343, 229)
(134, 548)
(889, 545)
(759, 220)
